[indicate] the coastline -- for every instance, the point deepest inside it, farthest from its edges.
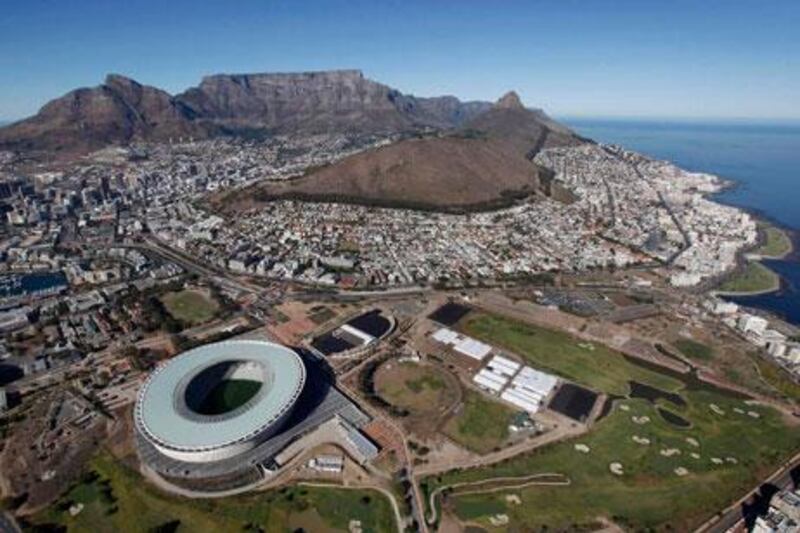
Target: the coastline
(785, 234)
(776, 286)
(747, 257)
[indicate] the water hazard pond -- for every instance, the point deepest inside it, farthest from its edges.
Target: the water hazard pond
(652, 394)
(673, 419)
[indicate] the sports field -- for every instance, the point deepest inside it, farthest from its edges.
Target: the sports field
(481, 424)
(669, 475)
(229, 394)
(117, 500)
(420, 389)
(190, 306)
(590, 364)
(754, 278)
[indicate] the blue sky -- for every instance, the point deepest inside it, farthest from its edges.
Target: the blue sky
(679, 59)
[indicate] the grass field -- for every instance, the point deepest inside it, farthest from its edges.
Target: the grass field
(754, 278)
(590, 364)
(778, 379)
(694, 350)
(117, 500)
(777, 244)
(192, 307)
(481, 425)
(418, 388)
(228, 395)
(649, 495)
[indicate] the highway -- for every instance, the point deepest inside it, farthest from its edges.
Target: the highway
(8, 524)
(155, 247)
(783, 478)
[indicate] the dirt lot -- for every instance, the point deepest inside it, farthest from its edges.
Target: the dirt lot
(295, 320)
(51, 444)
(426, 391)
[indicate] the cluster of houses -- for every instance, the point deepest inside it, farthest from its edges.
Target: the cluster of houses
(756, 329)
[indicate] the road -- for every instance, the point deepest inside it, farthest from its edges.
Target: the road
(520, 483)
(158, 248)
(8, 524)
(389, 496)
(734, 514)
(555, 435)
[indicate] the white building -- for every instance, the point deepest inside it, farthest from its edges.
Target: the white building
(753, 324)
(721, 307)
(327, 463)
(13, 320)
(776, 349)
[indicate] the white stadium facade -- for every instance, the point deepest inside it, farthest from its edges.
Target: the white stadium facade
(214, 418)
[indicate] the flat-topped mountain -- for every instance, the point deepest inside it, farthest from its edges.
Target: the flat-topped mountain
(484, 163)
(121, 110)
(339, 100)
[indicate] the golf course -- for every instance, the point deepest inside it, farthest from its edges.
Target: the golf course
(112, 498)
(696, 447)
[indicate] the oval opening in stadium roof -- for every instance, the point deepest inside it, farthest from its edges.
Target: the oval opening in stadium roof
(224, 387)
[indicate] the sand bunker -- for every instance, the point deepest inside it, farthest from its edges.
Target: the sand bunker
(582, 448)
(669, 452)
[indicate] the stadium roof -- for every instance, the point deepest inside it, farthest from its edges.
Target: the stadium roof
(165, 417)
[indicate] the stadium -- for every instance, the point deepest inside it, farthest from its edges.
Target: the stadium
(216, 417)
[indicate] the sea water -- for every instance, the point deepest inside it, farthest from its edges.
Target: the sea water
(763, 159)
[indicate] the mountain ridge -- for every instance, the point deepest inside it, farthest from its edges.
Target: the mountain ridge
(121, 110)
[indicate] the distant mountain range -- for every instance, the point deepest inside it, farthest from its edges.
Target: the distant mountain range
(122, 110)
(456, 155)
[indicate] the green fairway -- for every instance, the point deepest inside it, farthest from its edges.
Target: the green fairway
(590, 364)
(694, 350)
(754, 278)
(229, 394)
(778, 378)
(777, 244)
(190, 306)
(734, 450)
(481, 424)
(116, 499)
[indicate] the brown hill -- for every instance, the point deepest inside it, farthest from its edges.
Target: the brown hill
(528, 130)
(485, 164)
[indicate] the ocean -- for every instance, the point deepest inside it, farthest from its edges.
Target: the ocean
(762, 159)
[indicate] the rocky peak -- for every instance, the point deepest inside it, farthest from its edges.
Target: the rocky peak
(510, 100)
(121, 110)
(118, 81)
